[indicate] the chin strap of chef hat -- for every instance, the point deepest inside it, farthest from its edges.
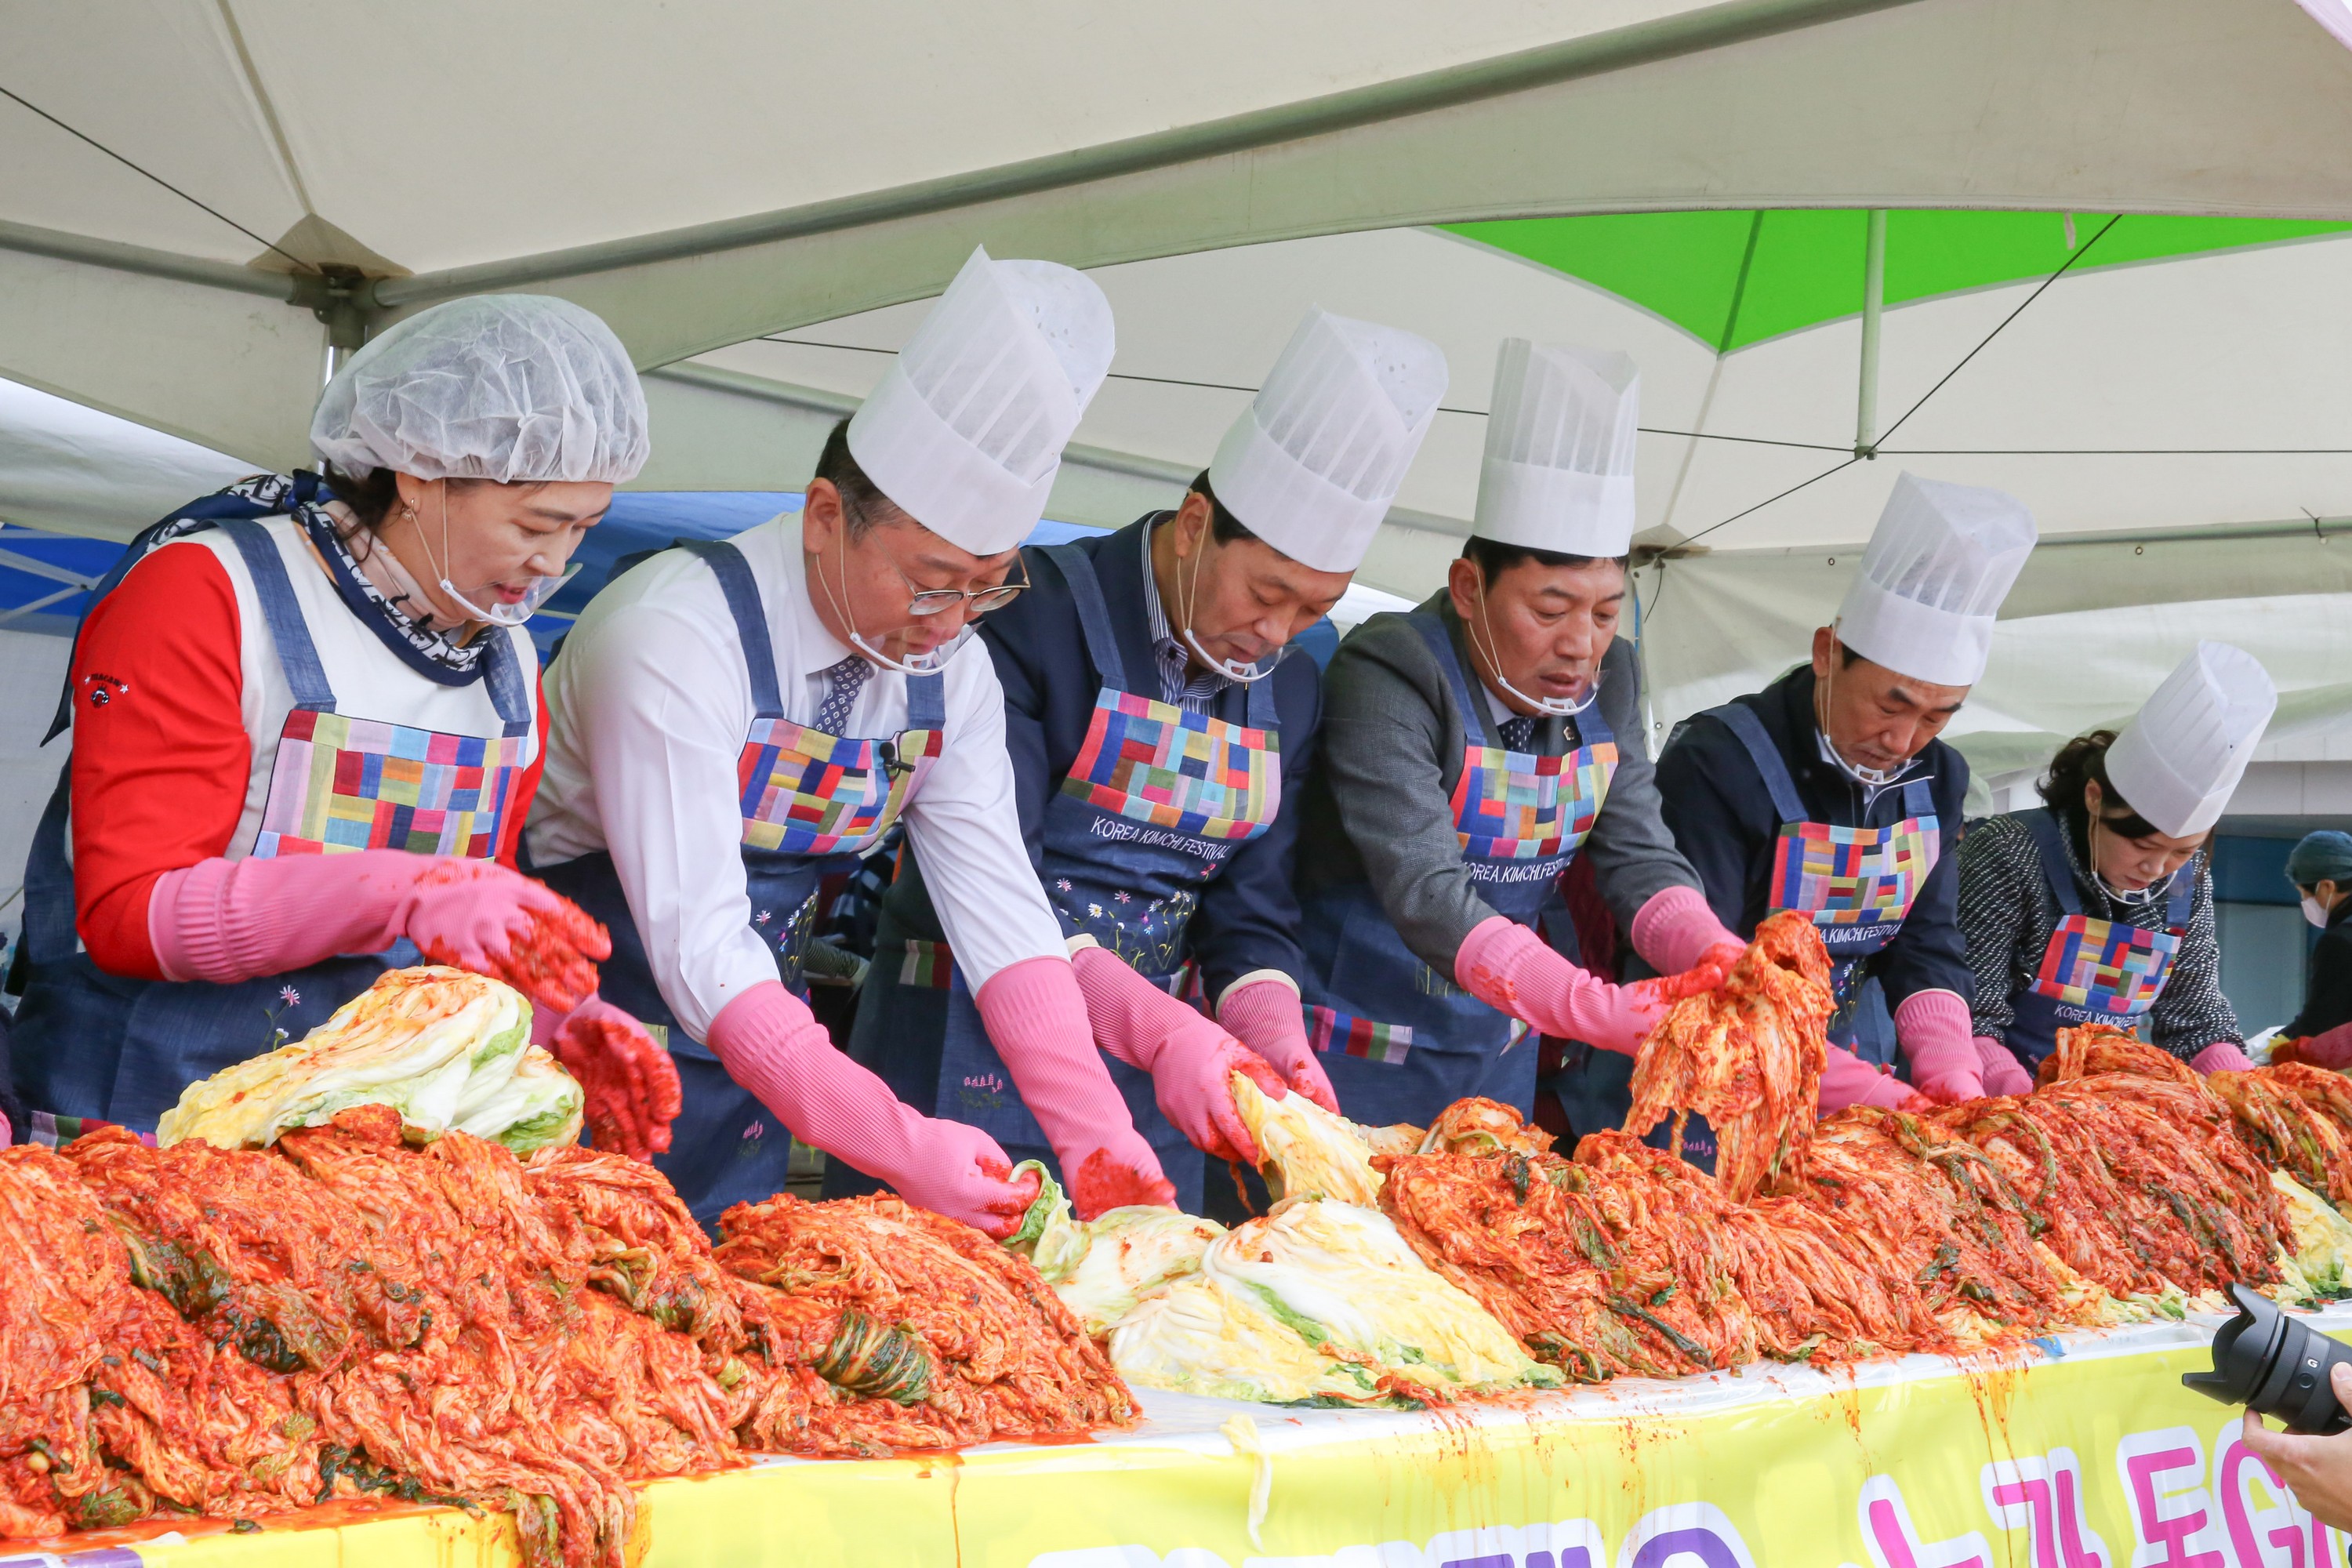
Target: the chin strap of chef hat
(1939, 562)
(1313, 462)
(965, 431)
(513, 388)
(1560, 434)
(2180, 758)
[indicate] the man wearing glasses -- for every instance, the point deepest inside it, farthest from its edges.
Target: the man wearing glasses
(1159, 743)
(731, 721)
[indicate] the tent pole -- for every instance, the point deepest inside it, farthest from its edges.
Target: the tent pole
(1874, 305)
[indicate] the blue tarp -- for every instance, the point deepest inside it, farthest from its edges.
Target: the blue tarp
(638, 521)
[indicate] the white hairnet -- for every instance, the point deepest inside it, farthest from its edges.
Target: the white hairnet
(517, 388)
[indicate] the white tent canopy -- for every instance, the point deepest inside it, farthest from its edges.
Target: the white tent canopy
(703, 175)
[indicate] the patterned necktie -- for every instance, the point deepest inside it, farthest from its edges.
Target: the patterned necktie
(846, 678)
(1518, 733)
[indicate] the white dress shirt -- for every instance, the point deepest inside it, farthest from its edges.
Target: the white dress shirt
(648, 710)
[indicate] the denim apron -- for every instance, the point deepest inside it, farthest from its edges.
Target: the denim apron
(2093, 971)
(1401, 1041)
(810, 803)
(1152, 808)
(93, 1047)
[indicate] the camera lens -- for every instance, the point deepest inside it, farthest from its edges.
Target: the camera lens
(2276, 1366)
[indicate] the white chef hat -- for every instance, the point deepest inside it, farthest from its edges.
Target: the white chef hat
(2179, 759)
(1314, 461)
(965, 431)
(1559, 472)
(519, 388)
(1941, 562)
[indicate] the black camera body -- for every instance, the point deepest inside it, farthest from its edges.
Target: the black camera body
(2275, 1365)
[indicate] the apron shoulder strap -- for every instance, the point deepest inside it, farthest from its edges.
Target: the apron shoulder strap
(1742, 721)
(502, 673)
(262, 495)
(743, 602)
(1920, 797)
(298, 656)
(1592, 727)
(1077, 569)
(1441, 647)
(2181, 898)
(1258, 702)
(926, 702)
(2042, 822)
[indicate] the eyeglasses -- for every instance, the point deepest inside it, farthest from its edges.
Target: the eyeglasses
(938, 601)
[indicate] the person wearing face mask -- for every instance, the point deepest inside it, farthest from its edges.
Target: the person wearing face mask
(306, 730)
(2096, 906)
(1472, 748)
(1160, 743)
(1829, 792)
(2320, 866)
(731, 721)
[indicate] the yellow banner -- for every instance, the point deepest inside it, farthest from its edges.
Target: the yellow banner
(2093, 1457)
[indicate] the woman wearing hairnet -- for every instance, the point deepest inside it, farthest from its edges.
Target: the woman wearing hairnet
(306, 733)
(2320, 866)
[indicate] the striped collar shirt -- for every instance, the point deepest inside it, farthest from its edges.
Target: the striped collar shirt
(1181, 685)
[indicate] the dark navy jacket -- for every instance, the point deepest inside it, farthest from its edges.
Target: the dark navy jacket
(1724, 823)
(1248, 916)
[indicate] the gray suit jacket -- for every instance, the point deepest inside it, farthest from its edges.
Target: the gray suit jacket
(1380, 803)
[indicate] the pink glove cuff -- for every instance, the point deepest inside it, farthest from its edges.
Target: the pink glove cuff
(756, 1037)
(1937, 1034)
(1126, 1015)
(1267, 1018)
(2223, 1055)
(1676, 929)
(1489, 961)
(224, 920)
(1036, 1016)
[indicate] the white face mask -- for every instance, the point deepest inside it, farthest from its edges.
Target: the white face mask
(500, 614)
(1242, 674)
(1869, 778)
(2314, 912)
(929, 663)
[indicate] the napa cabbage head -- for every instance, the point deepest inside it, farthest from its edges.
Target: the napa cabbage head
(1346, 1270)
(410, 1041)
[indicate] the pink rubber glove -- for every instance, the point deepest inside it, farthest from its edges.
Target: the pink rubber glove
(4, 1131)
(1508, 967)
(2223, 1055)
(1676, 931)
(2002, 1072)
(1938, 1039)
(1847, 1079)
(1266, 1017)
(630, 1083)
(226, 920)
(1190, 1058)
(771, 1045)
(2331, 1048)
(1037, 1019)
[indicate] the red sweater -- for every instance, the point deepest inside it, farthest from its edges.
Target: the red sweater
(160, 753)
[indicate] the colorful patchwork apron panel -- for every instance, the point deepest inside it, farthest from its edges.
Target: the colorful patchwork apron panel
(804, 792)
(1152, 762)
(1517, 805)
(1853, 876)
(2106, 966)
(344, 784)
